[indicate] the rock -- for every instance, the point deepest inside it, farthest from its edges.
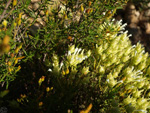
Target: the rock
(34, 1)
(30, 20)
(147, 26)
(39, 20)
(24, 16)
(36, 6)
(147, 13)
(42, 13)
(148, 4)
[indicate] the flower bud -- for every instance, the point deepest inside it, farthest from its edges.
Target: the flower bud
(120, 53)
(72, 49)
(67, 71)
(140, 84)
(46, 13)
(138, 48)
(14, 2)
(82, 8)
(19, 22)
(129, 79)
(127, 100)
(145, 56)
(19, 67)
(128, 87)
(20, 15)
(105, 46)
(148, 70)
(113, 43)
(90, 3)
(88, 53)
(65, 17)
(142, 65)
(85, 70)
(9, 63)
(47, 89)
(40, 104)
(55, 61)
(63, 72)
(17, 50)
(103, 56)
(128, 50)
(109, 76)
(4, 23)
(119, 67)
(15, 24)
(141, 101)
(113, 59)
(73, 71)
(125, 58)
(107, 63)
(137, 59)
(128, 71)
(111, 82)
(99, 49)
(101, 70)
(148, 94)
(137, 93)
(115, 74)
(6, 40)
(148, 86)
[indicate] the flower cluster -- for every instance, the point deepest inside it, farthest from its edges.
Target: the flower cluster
(76, 55)
(125, 66)
(122, 70)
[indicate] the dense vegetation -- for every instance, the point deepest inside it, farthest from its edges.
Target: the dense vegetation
(70, 56)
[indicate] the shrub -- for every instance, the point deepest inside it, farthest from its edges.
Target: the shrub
(83, 63)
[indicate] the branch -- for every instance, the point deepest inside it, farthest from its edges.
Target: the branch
(7, 5)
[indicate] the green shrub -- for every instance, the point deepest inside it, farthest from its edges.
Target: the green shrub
(81, 60)
(114, 74)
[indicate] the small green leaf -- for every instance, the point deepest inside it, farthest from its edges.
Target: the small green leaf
(3, 93)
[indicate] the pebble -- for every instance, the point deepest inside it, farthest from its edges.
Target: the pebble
(36, 6)
(35, 1)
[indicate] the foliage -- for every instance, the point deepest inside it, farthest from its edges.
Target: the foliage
(72, 58)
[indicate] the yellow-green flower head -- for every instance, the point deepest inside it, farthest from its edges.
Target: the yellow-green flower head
(101, 70)
(85, 70)
(55, 60)
(111, 82)
(89, 53)
(125, 58)
(76, 56)
(109, 76)
(121, 67)
(127, 100)
(99, 49)
(115, 74)
(148, 70)
(142, 104)
(128, 70)
(5, 23)
(142, 65)
(127, 50)
(103, 56)
(137, 93)
(71, 49)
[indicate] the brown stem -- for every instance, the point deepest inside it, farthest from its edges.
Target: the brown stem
(7, 5)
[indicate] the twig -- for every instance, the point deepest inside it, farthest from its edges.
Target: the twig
(7, 5)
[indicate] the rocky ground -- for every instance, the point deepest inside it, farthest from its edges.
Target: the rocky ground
(137, 16)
